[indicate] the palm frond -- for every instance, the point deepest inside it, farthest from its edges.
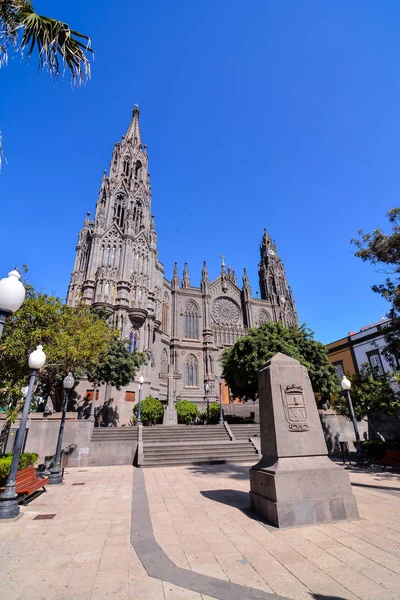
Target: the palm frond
(59, 47)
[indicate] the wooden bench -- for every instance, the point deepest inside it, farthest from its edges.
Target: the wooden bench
(27, 483)
(392, 459)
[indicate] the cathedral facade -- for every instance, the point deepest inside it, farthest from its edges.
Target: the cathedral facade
(182, 328)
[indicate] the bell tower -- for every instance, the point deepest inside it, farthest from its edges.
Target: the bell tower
(116, 252)
(273, 283)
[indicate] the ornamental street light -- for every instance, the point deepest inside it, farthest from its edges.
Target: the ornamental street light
(12, 294)
(56, 473)
(141, 381)
(9, 498)
(221, 419)
(346, 385)
(207, 391)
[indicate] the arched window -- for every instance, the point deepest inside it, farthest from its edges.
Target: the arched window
(126, 166)
(191, 371)
(138, 170)
(271, 285)
(191, 327)
(164, 321)
(137, 215)
(119, 210)
(263, 317)
(133, 340)
(164, 362)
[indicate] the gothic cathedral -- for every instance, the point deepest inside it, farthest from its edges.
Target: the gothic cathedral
(182, 328)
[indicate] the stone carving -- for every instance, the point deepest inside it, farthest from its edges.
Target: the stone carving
(263, 317)
(110, 273)
(295, 408)
(225, 311)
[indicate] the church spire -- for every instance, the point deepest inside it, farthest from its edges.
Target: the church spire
(175, 277)
(133, 132)
(185, 278)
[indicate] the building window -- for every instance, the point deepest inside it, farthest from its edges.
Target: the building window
(375, 362)
(129, 396)
(191, 371)
(339, 369)
(90, 394)
(191, 321)
(133, 340)
(164, 321)
(164, 362)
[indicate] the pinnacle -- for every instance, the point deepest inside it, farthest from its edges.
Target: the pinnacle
(133, 132)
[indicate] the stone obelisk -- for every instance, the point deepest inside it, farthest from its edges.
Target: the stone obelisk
(295, 483)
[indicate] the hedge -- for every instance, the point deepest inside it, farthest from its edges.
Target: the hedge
(27, 459)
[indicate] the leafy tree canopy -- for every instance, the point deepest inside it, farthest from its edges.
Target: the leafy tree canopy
(74, 339)
(383, 251)
(369, 394)
(117, 366)
(242, 361)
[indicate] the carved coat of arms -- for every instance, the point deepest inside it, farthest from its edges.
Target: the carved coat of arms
(295, 408)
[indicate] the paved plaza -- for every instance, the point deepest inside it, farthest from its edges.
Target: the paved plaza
(187, 533)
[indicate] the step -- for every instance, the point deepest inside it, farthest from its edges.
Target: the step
(194, 461)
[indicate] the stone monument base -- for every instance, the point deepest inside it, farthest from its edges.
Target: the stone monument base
(301, 490)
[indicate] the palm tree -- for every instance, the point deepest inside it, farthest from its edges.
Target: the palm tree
(59, 48)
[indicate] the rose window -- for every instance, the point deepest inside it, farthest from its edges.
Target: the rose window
(225, 311)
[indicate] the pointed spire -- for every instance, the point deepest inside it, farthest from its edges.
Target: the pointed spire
(246, 289)
(175, 277)
(133, 132)
(204, 272)
(223, 269)
(185, 278)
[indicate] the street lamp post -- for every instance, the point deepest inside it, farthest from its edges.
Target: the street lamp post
(9, 498)
(56, 474)
(346, 385)
(207, 391)
(141, 381)
(221, 419)
(12, 294)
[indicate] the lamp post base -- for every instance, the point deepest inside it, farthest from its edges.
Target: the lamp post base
(56, 476)
(9, 509)
(221, 421)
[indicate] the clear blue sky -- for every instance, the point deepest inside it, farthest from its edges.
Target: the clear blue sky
(277, 114)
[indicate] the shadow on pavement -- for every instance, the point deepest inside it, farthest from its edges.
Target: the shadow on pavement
(227, 469)
(235, 498)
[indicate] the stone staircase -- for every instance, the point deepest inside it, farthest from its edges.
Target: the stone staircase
(245, 431)
(112, 446)
(193, 444)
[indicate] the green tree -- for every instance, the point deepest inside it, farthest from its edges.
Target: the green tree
(383, 251)
(117, 366)
(151, 410)
(74, 339)
(187, 412)
(242, 361)
(369, 394)
(58, 47)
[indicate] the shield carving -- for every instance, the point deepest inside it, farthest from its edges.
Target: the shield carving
(295, 408)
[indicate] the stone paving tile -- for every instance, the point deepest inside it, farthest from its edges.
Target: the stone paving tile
(84, 553)
(346, 560)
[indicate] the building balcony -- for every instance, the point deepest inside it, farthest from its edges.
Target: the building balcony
(137, 315)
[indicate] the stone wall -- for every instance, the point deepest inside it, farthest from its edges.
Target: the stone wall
(337, 429)
(42, 437)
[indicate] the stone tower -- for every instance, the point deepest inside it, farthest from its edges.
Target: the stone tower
(182, 325)
(274, 287)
